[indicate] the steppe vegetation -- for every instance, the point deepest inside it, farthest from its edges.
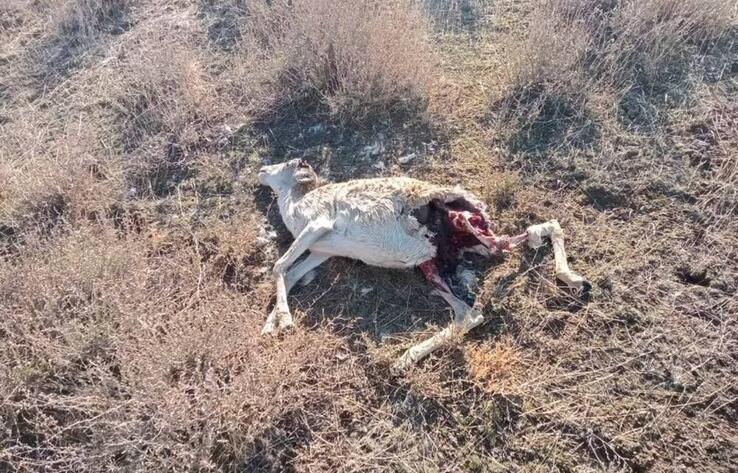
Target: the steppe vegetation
(136, 243)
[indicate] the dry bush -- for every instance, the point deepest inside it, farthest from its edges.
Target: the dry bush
(612, 39)
(61, 302)
(658, 30)
(117, 358)
(544, 103)
(55, 162)
(454, 15)
(61, 37)
(579, 55)
(166, 106)
(356, 61)
(165, 96)
(554, 47)
(54, 173)
(160, 88)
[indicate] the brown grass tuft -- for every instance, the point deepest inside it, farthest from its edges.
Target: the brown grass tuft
(357, 62)
(496, 367)
(578, 56)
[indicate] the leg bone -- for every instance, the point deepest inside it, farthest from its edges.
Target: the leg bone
(465, 319)
(552, 229)
(464, 221)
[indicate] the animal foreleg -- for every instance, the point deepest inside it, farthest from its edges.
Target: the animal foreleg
(465, 319)
(552, 229)
(294, 275)
(308, 236)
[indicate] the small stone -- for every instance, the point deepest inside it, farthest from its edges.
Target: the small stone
(374, 149)
(342, 356)
(406, 159)
(316, 129)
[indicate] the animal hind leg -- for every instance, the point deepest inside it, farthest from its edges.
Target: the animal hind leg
(465, 319)
(552, 229)
(297, 273)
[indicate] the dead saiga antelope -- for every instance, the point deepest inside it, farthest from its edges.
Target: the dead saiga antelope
(394, 222)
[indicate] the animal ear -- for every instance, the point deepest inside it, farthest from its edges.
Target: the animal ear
(305, 175)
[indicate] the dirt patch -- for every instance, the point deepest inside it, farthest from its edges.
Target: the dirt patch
(604, 197)
(690, 275)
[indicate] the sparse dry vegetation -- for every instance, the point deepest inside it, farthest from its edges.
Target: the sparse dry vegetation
(136, 246)
(357, 61)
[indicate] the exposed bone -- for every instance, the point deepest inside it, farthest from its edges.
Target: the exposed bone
(425, 348)
(465, 319)
(552, 229)
(467, 221)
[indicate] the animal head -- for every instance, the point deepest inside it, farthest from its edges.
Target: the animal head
(285, 176)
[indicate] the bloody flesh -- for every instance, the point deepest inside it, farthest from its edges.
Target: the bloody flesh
(455, 226)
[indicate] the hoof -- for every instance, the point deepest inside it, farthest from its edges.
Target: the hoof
(581, 289)
(475, 318)
(277, 320)
(585, 292)
(285, 324)
(269, 329)
(404, 363)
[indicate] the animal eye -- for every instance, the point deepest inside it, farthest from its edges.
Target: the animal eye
(303, 164)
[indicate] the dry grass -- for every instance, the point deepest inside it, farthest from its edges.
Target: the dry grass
(136, 245)
(357, 62)
(83, 19)
(495, 367)
(117, 357)
(579, 57)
